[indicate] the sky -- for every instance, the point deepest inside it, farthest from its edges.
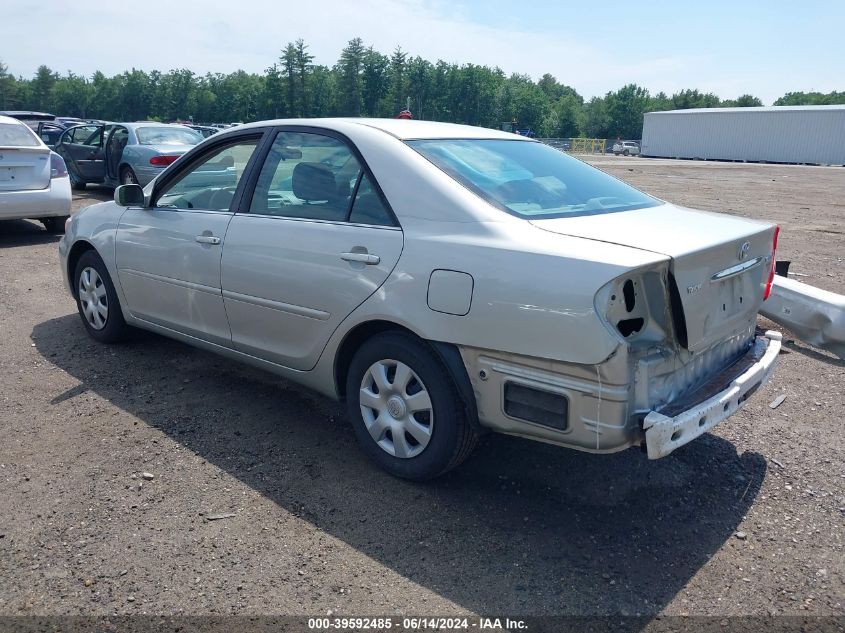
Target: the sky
(726, 47)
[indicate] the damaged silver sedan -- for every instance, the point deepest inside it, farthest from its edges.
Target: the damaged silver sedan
(443, 281)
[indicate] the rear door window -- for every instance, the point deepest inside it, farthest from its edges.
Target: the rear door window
(317, 177)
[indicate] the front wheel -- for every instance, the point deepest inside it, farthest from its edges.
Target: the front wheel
(626, 152)
(96, 300)
(405, 408)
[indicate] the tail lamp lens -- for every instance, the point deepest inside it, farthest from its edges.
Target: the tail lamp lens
(58, 169)
(162, 161)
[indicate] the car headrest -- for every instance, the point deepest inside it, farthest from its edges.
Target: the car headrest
(313, 181)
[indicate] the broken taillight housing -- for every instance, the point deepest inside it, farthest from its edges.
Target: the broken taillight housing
(634, 306)
(768, 289)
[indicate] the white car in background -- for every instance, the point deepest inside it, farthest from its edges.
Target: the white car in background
(626, 148)
(34, 182)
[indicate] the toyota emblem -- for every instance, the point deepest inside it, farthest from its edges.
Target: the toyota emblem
(743, 250)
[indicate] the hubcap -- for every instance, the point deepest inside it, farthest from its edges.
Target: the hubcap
(396, 408)
(93, 298)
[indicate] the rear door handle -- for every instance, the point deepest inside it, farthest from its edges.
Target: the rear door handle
(364, 258)
(207, 239)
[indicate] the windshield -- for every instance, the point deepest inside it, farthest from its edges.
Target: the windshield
(531, 180)
(16, 135)
(167, 136)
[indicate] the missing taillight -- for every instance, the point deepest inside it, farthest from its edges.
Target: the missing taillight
(768, 290)
(627, 327)
(629, 295)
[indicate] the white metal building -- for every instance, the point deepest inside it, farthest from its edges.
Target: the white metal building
(778, 134)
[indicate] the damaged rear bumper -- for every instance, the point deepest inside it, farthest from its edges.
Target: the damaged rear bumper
(681, 422)
(814, 315)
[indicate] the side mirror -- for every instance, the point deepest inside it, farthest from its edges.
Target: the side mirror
(129, 196)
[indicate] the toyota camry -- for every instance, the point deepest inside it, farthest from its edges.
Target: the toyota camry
(443, 281)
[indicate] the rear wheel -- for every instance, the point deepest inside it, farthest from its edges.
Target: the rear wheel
(55, 224)
(128, 177)
(75, 181)
(405, 408)
(97, 300)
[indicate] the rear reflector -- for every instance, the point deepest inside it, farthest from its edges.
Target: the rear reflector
(768, 290)
(58, 169)
(162, 161)
(534, 405)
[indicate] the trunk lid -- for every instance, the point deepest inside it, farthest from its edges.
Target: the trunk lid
(720, 263)
(24, 168)
(170, 150)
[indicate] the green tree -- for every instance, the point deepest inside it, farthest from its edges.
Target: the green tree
(624, 109)
(288, 61)
(42, 89)
(743, 101)
(303, 65)
(72, 95)
(811, 98)
(350, 82)
(374, 82)
(8, 88)
(398, 82)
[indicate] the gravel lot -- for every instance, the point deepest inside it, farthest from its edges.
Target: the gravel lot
(746, 520)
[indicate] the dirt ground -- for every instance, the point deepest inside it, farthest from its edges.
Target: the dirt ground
(745, 520)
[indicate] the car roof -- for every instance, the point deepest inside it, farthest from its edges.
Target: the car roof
(403, 129)
(27, 114)
(9, 119)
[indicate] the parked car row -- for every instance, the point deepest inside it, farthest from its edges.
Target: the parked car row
(122, 153)
(394, 265)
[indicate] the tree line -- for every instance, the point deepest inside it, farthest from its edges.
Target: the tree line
(363, 82)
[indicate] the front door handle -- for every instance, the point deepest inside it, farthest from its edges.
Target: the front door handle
(207, 239)
(363, 258)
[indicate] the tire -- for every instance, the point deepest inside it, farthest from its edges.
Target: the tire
(127, 176)
(626, 152)
(443, 435)
(75, 182)
(94, 294)
(55, 225)
(616, 153)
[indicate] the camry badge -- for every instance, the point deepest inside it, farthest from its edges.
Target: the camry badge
(743, 250)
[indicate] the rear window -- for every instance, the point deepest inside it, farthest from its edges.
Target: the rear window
(167, 136)
(531, 180)
(17, 135)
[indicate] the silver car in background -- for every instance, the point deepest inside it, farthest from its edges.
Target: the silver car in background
(34, 181)
(626, 148)
(123, 153)
(443, 280)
